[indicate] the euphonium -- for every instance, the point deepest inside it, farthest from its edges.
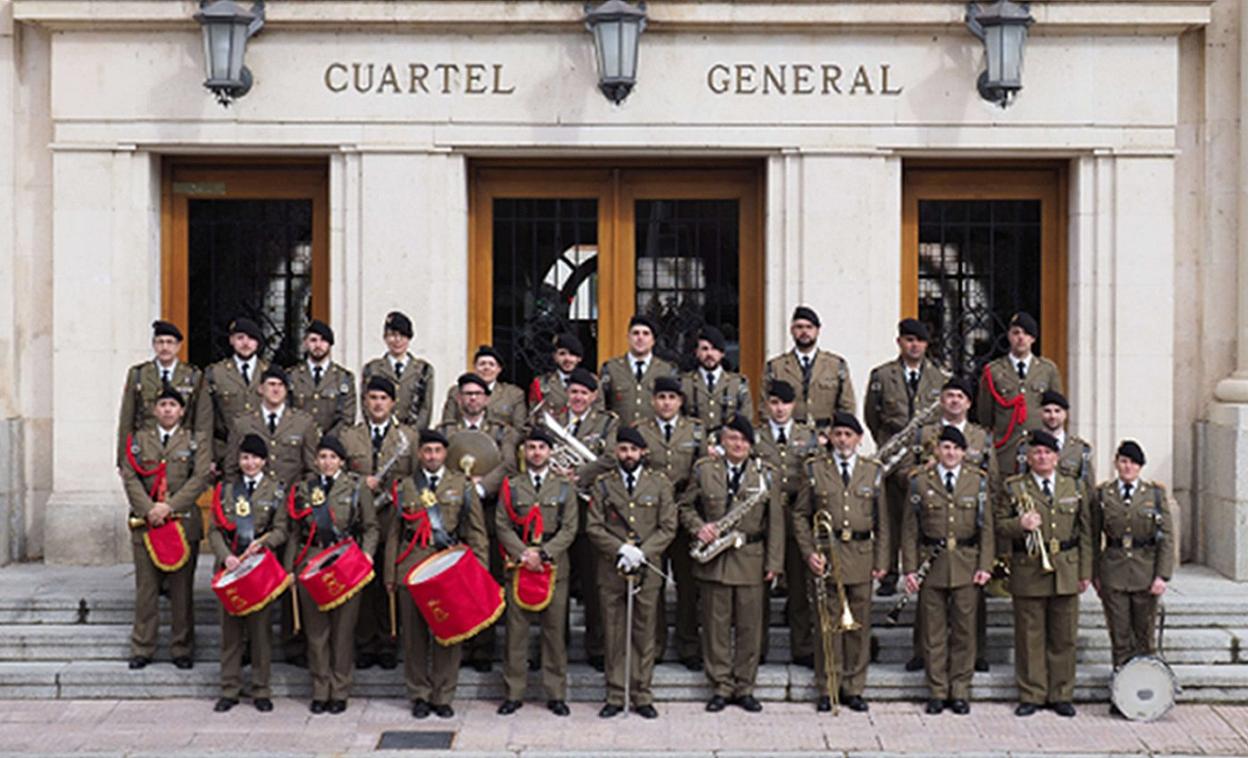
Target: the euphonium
(569, 452)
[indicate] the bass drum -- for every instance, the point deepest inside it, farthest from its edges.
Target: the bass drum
(1144, 688)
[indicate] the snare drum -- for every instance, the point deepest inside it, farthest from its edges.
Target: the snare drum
(1144, 688)
(252, 585)
(335, 575)
(456, 595)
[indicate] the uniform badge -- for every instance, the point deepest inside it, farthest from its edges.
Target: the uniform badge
(345, 388)
(428, 499)
(242, 508)
(318, 496)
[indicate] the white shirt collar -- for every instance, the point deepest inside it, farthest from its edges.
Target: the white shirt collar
(787, 428)
(716, 372)
(323, 365)
(562, 376)
(633, 360)
(1060, 436)
(624, 474)
(811, 353)
(1014, 359)
(851, 460)
(440, 473)
(1135, 487)
(407, 360)
(383, 427)
(254, 481)
(167, 432)
(1041, 479)
(250, 363)
(279, 410)
(479, 421)
(960, 426)
(172, 367)
(940, 469)
(674, 421)
(534, 473)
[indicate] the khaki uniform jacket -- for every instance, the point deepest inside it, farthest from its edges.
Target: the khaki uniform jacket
(597, 432)
(888, 406)
(855, 508)
(1073, 460)
(965, 516)
(1145, 519)
(461, 515)
(358, 440)
(707, 500)
(548, 388)
(330, 403)
(292, 448)
(674, 459)
(351, 505)
(1065, 520)
(507, 439)
(138, 398)
(187, 462)
(507, 405)
(620, 392)
(230, 398)
(268, 513)
(713, 409)
(413, 397)
(560, 518)
(801, 442)
(830, 388)
(1042, 375)
(647, 518)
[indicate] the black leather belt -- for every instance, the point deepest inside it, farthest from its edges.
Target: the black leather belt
(1020, 546)
(1129, 542)
(755, 538)
(846, 535)
(941, 541)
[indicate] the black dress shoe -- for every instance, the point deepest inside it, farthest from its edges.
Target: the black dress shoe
(183, 662)
(364, 661)
(1064, 709)
(693, 664)
(444, 711)
(856, 703)
(139, 662)
(224, 704)
(716, 704)
(804, 660)
(981, 664)
(336, 706)
(647, 712)
(749, 703)
(388, 660)
(934, 707)
(263, 704)
(318, 706)
(959, 706)
(823, 704)
(610, 711)
(509, 707)
(482, 667)
(1026, 709)
(915, 664)
(596, 662)
(558, 707)
(420, 709)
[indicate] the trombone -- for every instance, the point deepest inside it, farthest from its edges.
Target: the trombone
(1035, 540)
(823, 529)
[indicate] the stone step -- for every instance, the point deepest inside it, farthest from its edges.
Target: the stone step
(95, 679)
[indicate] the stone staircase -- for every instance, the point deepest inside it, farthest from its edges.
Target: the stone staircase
(64, 633)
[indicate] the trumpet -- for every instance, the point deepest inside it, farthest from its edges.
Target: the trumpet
(1035, 540)
(823, 528)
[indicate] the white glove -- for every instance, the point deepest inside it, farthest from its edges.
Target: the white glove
(631, 557)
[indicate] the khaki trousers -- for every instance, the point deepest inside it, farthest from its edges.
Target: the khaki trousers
(949, 639)
(554, 642)
(1132, 618)
(725, 609)
(430, 669)
(688, 642)
(147, 579)
(853, 649)
(372, 628)
(584, 570)
(1045, 633)
(797, 608)
(254, 630)
(331, 646)
(614, 589)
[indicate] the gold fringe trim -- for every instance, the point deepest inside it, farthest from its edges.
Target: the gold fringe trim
(168, 567)
(479, 627)
(537, 607)
(344, 597)
(259, 606)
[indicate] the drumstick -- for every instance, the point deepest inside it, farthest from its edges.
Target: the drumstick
(394, 632)
(294, 602)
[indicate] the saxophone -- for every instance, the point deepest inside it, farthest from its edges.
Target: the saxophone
(731, 538)
(894, 449)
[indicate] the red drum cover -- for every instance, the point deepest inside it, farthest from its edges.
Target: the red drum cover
(167, 545)
(336, 574)
(455, 594)
(252, 585)
(533, 590)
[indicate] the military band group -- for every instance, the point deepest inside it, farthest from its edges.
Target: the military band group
(608, 486)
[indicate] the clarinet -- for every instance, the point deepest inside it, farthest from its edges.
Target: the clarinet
(893, 616)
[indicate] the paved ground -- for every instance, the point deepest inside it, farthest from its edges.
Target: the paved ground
(189, 727)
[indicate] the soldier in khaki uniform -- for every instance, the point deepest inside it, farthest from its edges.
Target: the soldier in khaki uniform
(674, 443)
(1074, 458)
(146, 380)
(847, 486)
(787, 444)
(232, 385)
(632, 519)
(820, 377)
(507, 402)
(627, 381)
(412, 376)
(552, 388)
(248, 516)
(167, 468)
(328, 507)
(733, 585)
(443, 499)
(897, 390)
(379, 442)
(1133, 568)
(948, 522)
(1010, 390)
(536, 522)
(713, 394)
(321, 387)
(290, 433)
(1046, 603)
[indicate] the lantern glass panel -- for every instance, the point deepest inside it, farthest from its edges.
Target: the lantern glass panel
(238, 44)
(995, 47)
(217, 50)
(628, 50)
(1012, 39)
(608, 33)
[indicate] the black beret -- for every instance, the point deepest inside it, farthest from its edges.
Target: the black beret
(847, 420)
(428, 436)
(275, 372)
(330, 442)
(166, 329)
(954, 435)
(378, 383)
(630, 435)
(321, 329)
(583, 377)
(254, 444)
(806, 313)
(169, 393)
(570, 343)
(960, 384)
(713, 336)
(1041, 438)
(912, 327)
(488, 351)
(471, 378)
(641, 319)
(668, 384)
(742, 424)
(1053, 397)
(1024, 321)
(397, 321)
(539, 434)
(1131, 449)
(781, 390)
(246, 326)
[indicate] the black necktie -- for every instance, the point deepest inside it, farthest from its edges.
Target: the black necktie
(912, 383)
(1022, 369)
(1048, 491)
(398, 369)
(781, 437)
(472, 427)
(246, 369)
(377, 438)
(1126, 491)
(251, 488)
(734, 479)
(164, 438)
(576, 427)
(433, 483)
(667, 431)
(272, 423)
(710, 381)
(630, 481)
(164, 376)
(325, 483)
(806, 363)
(316, 375)
(845, 473)
(639, 370)
(537, 482)
(949, 482)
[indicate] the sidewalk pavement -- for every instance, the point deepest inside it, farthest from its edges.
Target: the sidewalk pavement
(189, 727)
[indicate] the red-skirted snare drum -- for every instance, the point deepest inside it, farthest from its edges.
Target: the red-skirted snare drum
(336, 574)
(252, 584)
(455, 594)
